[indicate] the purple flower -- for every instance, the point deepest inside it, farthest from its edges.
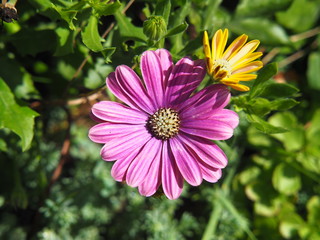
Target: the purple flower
(162, 136)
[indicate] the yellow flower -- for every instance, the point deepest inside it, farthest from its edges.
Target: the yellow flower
(235, 64)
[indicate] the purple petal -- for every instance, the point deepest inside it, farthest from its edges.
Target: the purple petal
(153, 76)
(104, 132)
(186, 162)
(209, 173)
(117, 112)
(184, 79)
(227, 116)
(206, 150)
(119, 169)
(166, 64)
(211, 98)
(127, 86)
(140, 166)
(121, 147)
(152, 181)
(172, 181)
(207, 128)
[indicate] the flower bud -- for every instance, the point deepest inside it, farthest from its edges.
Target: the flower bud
(154, 28)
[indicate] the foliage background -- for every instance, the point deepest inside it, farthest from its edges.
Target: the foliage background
(53, 65)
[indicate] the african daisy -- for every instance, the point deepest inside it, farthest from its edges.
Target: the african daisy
(162, 136)
(236, 63)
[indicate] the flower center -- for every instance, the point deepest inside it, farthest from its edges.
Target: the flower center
(221, 69)
(164, 123)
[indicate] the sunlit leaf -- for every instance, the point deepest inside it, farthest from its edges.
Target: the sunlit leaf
(19, 119)
(250, 8)
(90, 35)
(263, 29)
(286, 179)
(264, 126)
(305, 14)
(264, 75)
(128, 30)
(294, 139)
(105, 8)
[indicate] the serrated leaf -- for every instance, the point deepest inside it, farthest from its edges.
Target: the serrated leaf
(263, 29)
(250, 8)
(19, 119)
(264, 75)
(264, 126)
(66, 14)
(313, 71)
(106, 8)
(128, 30)
(90, 35)
(286, 179)
(176, 30)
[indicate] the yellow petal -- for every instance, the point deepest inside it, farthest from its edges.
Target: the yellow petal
(248, 48)
(242, 77)
(250, 67)
(239, 87)
(235, 46)
(219, 42)
(246, 59)
(207, 52)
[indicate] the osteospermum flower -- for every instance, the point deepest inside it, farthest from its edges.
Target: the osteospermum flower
(236, 63)
(162, 136)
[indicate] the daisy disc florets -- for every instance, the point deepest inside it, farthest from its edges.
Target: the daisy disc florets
(162, 135)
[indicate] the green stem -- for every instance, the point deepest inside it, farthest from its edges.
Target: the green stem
(213, 221)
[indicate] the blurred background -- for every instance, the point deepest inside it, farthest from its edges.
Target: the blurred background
(54, 58)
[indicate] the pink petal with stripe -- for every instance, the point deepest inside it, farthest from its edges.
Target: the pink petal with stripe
(172, 180)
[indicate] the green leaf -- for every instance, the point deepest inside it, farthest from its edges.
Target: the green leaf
(176, 30)
(128, 30)
(313, 207)
(18, 79)
(294, 139)
(90, 35)
(278, 90)
(283, 104)
(254, 8)
(259, 106)
(105, 8)
(19, 119)
(301, 16)
(286, 179)
(290, 225)
(264, 126)
(264, 75)
(263, 29)
(313, 71)
(65, 42)
(66, 14)
(107, 53)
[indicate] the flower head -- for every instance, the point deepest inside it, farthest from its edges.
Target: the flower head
(162, 136)
(236, 63)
